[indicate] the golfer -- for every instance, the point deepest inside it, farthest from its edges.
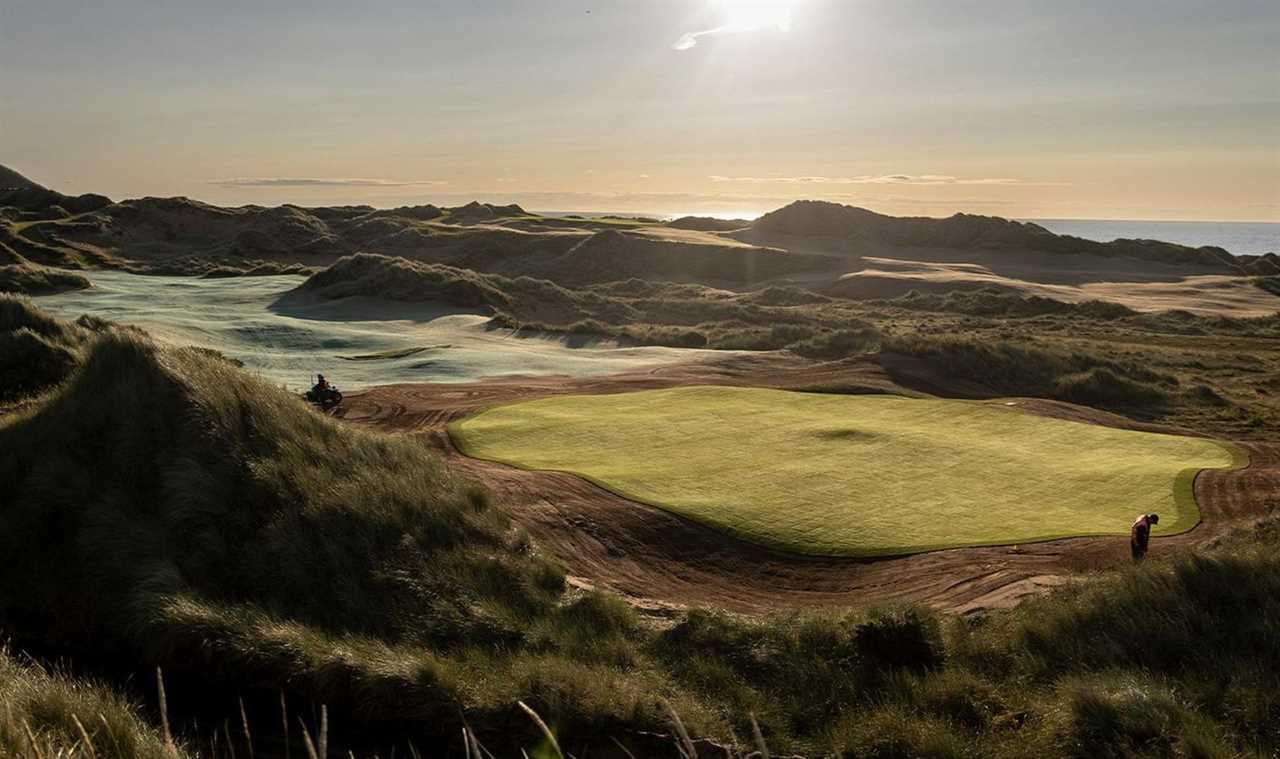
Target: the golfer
(1140, 535)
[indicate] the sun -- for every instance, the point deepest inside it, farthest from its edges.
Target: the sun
(749, 15)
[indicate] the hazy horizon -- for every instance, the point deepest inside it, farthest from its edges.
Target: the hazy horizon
(711, 107)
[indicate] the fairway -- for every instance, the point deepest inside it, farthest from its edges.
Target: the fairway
(867, 475)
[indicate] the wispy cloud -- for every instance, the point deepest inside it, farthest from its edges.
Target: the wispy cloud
(690, 39)
(319, 182)
(745, 17)
(911, 179)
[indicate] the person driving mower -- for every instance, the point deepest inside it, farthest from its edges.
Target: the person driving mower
(323, 394)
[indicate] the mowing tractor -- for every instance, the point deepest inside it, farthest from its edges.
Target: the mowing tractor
(322, 394)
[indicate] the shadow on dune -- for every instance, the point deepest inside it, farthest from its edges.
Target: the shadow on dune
(362, 308)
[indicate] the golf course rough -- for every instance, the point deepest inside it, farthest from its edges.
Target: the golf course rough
(862, 475)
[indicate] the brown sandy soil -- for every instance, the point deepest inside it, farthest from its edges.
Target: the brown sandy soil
(662, 562)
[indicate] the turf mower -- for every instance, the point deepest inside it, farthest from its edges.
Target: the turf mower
(325, 397)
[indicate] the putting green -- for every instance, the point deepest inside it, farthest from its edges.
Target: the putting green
(867, 475)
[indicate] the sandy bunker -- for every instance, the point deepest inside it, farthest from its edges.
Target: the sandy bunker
(855, 475)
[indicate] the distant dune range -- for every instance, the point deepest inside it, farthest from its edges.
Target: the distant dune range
(834, 250)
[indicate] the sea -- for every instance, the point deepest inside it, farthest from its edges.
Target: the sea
(1238, 237)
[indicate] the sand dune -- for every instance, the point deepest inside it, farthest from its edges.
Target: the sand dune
(1205, 294)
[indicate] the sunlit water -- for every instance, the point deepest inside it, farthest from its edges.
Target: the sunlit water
(289, 345)
(1238, 237)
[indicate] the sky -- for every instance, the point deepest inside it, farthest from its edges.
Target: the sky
(1027, 109)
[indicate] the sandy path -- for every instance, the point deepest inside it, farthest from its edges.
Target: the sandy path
(662, 562)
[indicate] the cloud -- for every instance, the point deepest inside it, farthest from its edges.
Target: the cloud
(318, 182)
(911, 179)
(690, 39)
(744, 17)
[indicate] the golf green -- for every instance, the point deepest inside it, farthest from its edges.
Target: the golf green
(862, 475)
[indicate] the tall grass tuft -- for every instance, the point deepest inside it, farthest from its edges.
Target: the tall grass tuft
(47, 715)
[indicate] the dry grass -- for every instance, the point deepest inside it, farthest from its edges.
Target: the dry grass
(48, 715)
(160, 506)
(39, 280)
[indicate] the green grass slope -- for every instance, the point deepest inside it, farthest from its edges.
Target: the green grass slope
(854, 475)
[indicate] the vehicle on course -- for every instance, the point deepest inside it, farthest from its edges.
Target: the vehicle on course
(323, 394)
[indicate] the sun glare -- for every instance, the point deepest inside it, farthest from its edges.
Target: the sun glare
(749, 15)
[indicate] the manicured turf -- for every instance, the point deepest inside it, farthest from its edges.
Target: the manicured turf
(855, 475)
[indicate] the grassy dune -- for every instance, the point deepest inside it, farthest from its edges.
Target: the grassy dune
(38, 280)
(50, 715)
(159, 506)
(36, 350)
(163, 505)
(855, 475)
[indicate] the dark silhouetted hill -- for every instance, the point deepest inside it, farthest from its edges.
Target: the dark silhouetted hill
(805, 241)
(12, 180)
(476, 211)
(820, 219)
(24, 200)
(708, 223)
(614, 255)
(1265, 265)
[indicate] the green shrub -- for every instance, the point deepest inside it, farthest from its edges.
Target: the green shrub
(962, 698)
(901, 639)
(1007, 368)
(1269, 284)
(998, 302)
(1207, 396)
(689, 338)
(1103, 718)
(782, 335)
(894, 732)
(1103, 388)
(839, 343)
(1203, 614)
